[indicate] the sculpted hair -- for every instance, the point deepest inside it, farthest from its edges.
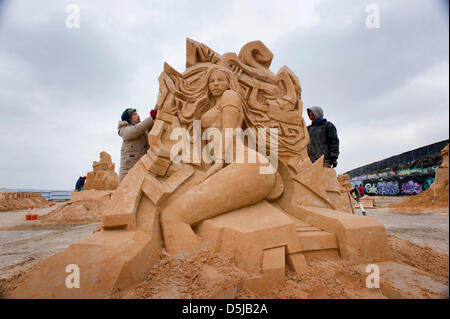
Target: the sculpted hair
(207, 100)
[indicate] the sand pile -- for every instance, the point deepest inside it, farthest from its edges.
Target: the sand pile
(324, 279)
(209, 275)
(82, 211)
(424, 258)
(11, 277)
(335, 278)
(434, 199)
(203, 275)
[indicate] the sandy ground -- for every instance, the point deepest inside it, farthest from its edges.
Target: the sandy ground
(428, 229)
(21, 241)
(24, 242)
(386, 200)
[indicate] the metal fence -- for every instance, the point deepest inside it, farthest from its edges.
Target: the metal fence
(56, 195)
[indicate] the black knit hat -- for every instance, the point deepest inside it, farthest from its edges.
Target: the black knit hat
(126, 115)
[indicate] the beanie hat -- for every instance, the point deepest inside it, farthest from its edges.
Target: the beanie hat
(126, 115)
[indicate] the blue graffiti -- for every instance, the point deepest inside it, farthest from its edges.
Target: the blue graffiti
(388, 188)
(411, 187)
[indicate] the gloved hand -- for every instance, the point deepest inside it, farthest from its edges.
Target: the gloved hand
(153, 113)
(333, 162)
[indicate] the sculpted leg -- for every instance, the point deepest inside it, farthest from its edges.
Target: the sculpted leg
(235, 186)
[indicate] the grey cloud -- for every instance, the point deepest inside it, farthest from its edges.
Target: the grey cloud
(356, 64)
(64, 89)
(360, 75)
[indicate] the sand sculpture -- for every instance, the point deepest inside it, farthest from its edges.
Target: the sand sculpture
(103, 176)
(345, 188)
(440, 188)
(264, 222)
(22, 200)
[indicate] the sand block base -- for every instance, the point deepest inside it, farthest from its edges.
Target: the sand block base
(261, 240)
(91, 195)
(273, 272)
(248, 232)
(322, 254)
(274, 262)
(360, 238)
(316, 242)
(121, 209)
(108, 261)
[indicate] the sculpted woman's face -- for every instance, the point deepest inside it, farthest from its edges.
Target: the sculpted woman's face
(218, 83)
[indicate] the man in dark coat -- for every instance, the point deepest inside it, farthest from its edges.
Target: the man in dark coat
(323, 138)
(80, 183)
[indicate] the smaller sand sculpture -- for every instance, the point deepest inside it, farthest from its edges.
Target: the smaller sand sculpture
(19, 201)
(103, 176)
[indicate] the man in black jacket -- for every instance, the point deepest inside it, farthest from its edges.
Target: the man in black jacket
(323, 138)
(80, 183)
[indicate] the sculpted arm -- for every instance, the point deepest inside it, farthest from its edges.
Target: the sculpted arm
(230, 120)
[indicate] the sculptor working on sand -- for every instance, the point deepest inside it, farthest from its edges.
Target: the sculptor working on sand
(134, 134)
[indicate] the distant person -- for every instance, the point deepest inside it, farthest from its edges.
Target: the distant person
(80, 183)
(361, 190)
(323, 138)
(357, 198)
(134, 135)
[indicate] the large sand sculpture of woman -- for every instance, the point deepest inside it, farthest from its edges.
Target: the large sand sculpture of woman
(228, 186)
(229, 91)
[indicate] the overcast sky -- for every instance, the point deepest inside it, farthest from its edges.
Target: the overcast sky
(62, 90)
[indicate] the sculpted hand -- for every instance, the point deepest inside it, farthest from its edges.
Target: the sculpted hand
(333, 162)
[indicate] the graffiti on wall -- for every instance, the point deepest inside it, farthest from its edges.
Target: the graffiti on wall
(388, 188)
(411, 188)
(396, 186)
(428, 183)
(371, 188)
(399, 173)
(410, 171)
